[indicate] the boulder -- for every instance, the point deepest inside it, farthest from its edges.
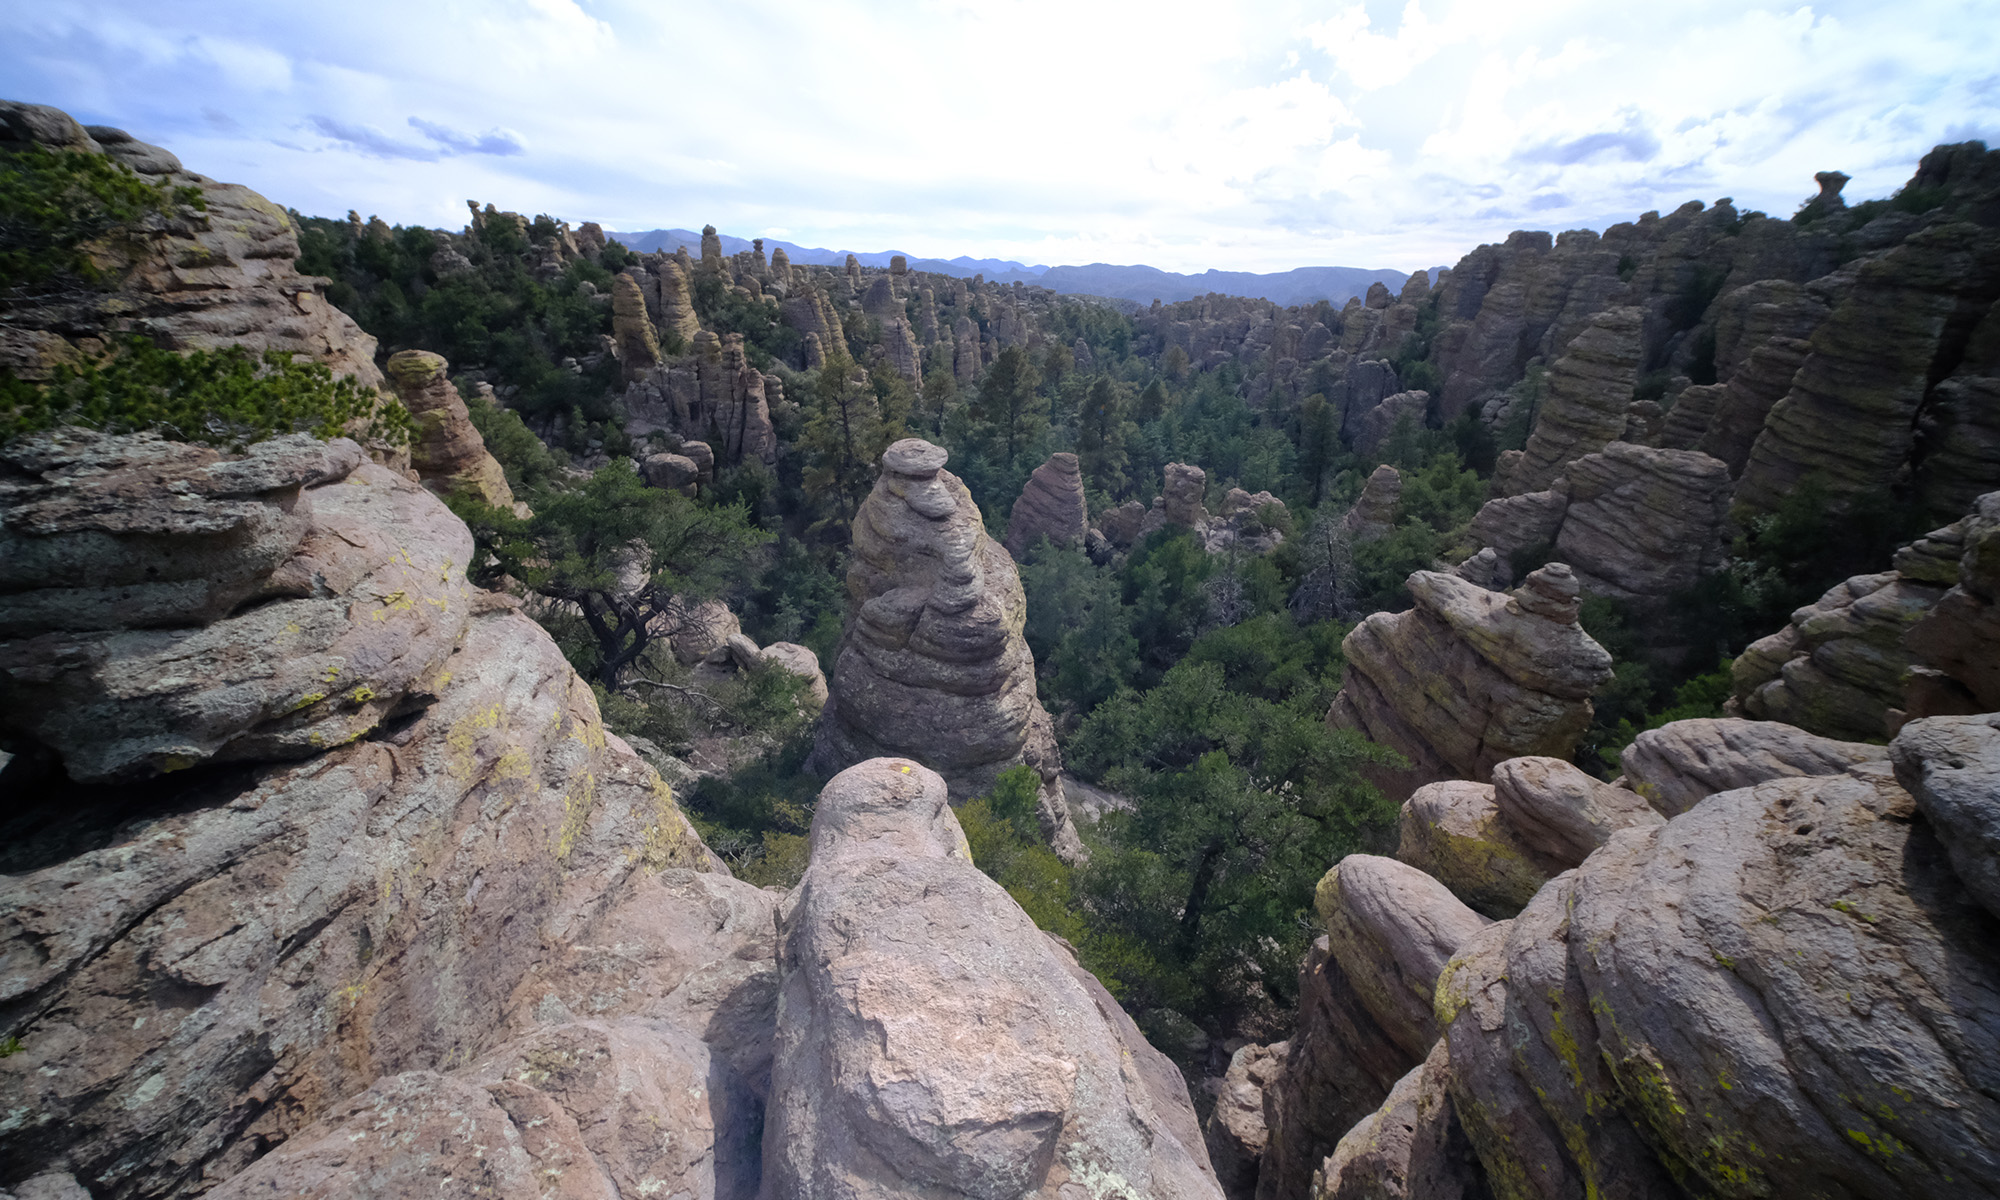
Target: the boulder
(1683, 763)
(1957, 643)
(892, 948)
(1121, 525)
(1051, 505)
(1469, 678)
(1454, 831)
(1951, 765)
(1784, 991)
(1561, 813)
(448, 452)
(1235, 1130)
(932, 663)
(801, 661)
(1392, 928)
(696, 632)
(1411, 1148)
(672, 472)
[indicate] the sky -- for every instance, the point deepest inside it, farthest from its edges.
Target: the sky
(1185, 135)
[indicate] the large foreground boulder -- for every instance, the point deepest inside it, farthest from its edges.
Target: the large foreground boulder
(1787, 990)
(932, 1042)
(472, 914)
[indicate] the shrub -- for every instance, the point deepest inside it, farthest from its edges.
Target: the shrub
(221, 397)
(58, 201)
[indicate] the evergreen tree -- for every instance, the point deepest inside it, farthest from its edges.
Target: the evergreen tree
(1100, 438)
(842, 441)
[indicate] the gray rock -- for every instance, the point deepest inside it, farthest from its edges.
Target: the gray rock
(1683, 763)
(1952, 766)
(893, 947)
(1562, 813)
(1412, 1146)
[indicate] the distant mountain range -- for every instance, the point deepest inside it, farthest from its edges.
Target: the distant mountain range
(1139, 284)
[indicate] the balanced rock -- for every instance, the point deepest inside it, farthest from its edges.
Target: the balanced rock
(931, 1040)
(1469, 678)
(1682, 763)
(448, 452)
(1051, 505)
(671, 472)
(932, 663)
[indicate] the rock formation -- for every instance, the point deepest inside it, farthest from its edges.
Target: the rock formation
(1495, 845)
(1469, 678)
(130, 555)
(1051, 505)
(1643, 524)
(1235, 1130)
(632, 328)
(1957, 644)
(1682, 763)
(190, 280)
(1588, 389)
(1364, 1012)
(1373, 427)
(448, 452)
(360, 917)
(1850, 415)
(677, 316)
(894, 949)
(1746, 1000)
(932, 663)
(1413, 1146)
(1374, 513)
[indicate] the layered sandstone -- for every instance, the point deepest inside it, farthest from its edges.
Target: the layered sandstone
(1051, 506)
(933, 664)
(448, 452)
(1588, 389)
(1469, 678)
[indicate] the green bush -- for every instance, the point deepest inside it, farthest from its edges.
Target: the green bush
(221, 397)
(56, 202)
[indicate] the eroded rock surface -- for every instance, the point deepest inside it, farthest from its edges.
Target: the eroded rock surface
(933, 664)
(1786, 990)
(448, 453)
(200, 967)
(1051, 505)
(1682, 763)
(893, 950)
(1469, 678)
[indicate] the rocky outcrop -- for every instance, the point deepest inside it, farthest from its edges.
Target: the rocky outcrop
(1849, 418)
(1786, 990)
(1372, 428)
(1495, 845)
(671, 472)
(632, 328)
(1246, 522)
(1050, 506)
(1373, 516)
(1588, 390)
(1235, 1131)
(170, 606)
(893, 948)
(448, 452)
(1181, 495)
(1365, 1015)
(402, 897)
(1957, 643)
(1411, 1148)
(677, 316)
(1961, 427)
(190, 279)
(1951, 766)
(1682, 763)
(933, 664)
(1643, 524)
(1469, 678)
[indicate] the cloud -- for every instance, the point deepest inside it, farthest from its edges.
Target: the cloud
(369, 140)
(493, 141)
(1633, 143)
